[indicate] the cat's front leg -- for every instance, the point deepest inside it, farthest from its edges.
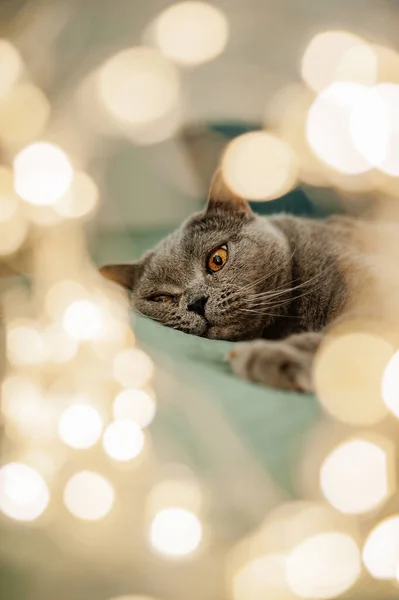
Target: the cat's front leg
(285, 364)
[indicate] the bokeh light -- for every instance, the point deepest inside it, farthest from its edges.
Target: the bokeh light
(83, 320)
(175, 532)
(8, 198)
(191, 33)
(13, 232)
(259, 166)
(80, 200)
(390, 385)
(21, 397)
(10, 66)
(80, 426)
(324, 566)
(24, 113)
(347, 373)
(136, 405)
(262, 578)
(24, 495)
(123, 440)
(354, 477)
(338, 56)
(133, 368)
(61, 295)
(59, 347)
(328, 127)
(42, 173)
(25, 345)
(138, 86)
(381, 549)
(88, 496)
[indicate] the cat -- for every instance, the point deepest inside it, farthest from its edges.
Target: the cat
(272, 284)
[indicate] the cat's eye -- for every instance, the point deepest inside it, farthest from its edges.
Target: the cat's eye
(161, 298)
(217, 259)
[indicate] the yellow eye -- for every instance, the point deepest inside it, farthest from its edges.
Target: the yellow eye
(217, 259)
(161, 298)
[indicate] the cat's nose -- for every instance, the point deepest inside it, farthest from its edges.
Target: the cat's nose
(198, 306)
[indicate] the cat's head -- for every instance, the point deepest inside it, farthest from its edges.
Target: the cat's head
(206, 277)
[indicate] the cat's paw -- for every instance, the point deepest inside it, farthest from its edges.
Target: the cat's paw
(275, 364)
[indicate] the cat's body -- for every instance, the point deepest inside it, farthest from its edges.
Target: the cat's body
(230, 274)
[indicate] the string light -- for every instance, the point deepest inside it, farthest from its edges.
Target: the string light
(42, 173)
(24, 112)
(175, 532)
(61, 295)
(123, 440)
(259, 166)
(381, 549)
(88, 496)
(24, 495)
(80, 426)
(133, 368)
(136, 405)
(191, 33)
(25, 345)
(354, 477)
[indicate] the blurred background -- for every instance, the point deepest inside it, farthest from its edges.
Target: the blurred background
(134, 466)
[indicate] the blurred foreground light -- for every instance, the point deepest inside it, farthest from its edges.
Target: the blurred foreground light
(13, 232)
(88, 496)
(347, 373)
(354, 477)
(123, 440)
(42, 173)
(10, 66)
(375, 128)
(24, 113)
(328, 127)
(175, 532)
(381, 550)
(138, 86)
(59, 347)
(23, 492)
(25, 345)
(80, 426)
(83, 320)
(262, 578)
(390, 385)
(136, 405)
(324, 566)
(80, 200)
(61, 295)
(191, 33)
(8, 199)
(184, 493)
(21, 397)
(259, 166)
(133, 368)
(338, 56)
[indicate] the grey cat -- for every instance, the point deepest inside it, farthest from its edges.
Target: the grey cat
(230, 274)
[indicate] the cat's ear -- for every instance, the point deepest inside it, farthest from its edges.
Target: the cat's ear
(125, 275)
(221, 198)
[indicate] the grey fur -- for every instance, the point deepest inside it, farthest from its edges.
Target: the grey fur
(285, 277)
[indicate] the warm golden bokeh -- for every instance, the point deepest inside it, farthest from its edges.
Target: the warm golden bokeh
(348, 373)
(123, 440)
(80, 426)
(381, 549)
(135, 404)
(191, 33)
(88, 496)
(24, 495)
(175, 532)
(133, 368)
(259, 166)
